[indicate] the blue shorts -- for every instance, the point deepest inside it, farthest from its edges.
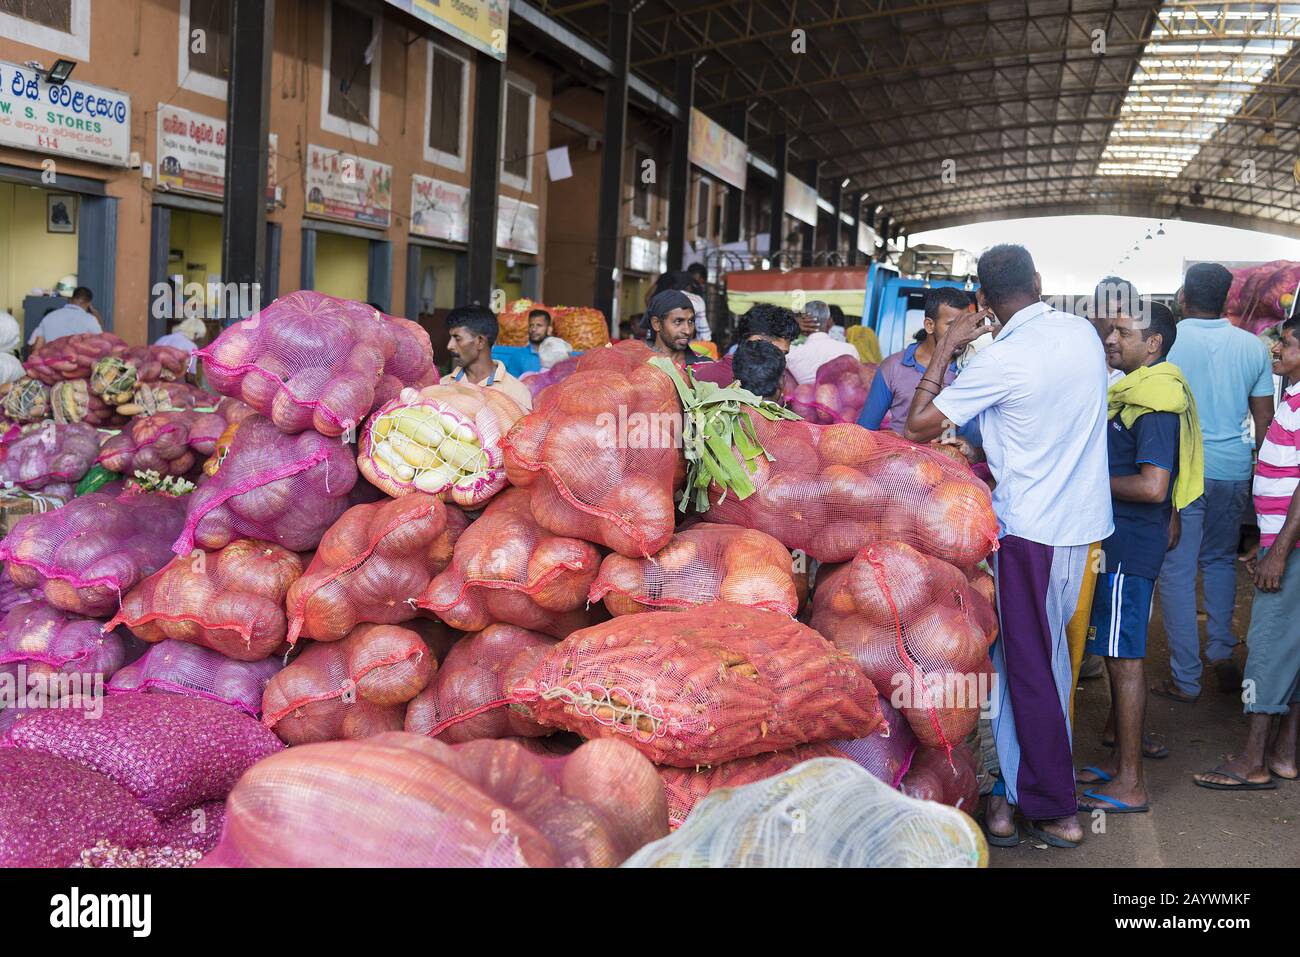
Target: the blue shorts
(1121, 612)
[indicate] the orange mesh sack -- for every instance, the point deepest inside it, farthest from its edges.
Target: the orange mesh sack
(830, 489)
(685, 786)
(403, 800)
(230, 600)
(444, 440)
(512, 322)
(721, 683)
(354, 688)
(700, 566)
(507, 568)
(372, 564)
(603, 448)
(582, 327)
(475, 672)
(920, 632)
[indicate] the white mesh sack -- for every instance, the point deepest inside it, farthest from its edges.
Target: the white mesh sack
(823, 813)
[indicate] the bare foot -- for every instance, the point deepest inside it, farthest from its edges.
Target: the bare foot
(1128, 792)
(1066, 828)
(1000, 817)
(1283, 767)
(1254, 773)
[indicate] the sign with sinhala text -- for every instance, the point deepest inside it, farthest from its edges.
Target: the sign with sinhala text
(715, 150)
(480, 23)
(76, 119)
(347, 187)
(191, 153)
(439, 210)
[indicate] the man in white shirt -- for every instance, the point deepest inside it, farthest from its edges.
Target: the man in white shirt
(1039, 392)
(818, 348)
(77, 316)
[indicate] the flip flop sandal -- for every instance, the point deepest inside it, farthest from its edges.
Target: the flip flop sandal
(1167, 689)
(1110, 805)
(1102, 776)
(1158, 754)
(1051, 840)
(1244, 785)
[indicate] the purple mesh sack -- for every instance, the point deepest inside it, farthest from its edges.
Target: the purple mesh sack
(41, 638)
(85, 556)
(195, 829)
(887, 754)
(310, 361)
(51, 808)
(11, 594)
(179, 667)
(171, 751)
(286, 489)
(48, 453)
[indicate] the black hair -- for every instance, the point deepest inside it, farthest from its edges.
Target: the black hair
(838, 317)
(1006, 271)
(539, 312)
(945, 296)
(1290, 325)
(1161, 320)
(477, 319)
(759, 366)
(1205, 289)
(83, 292)
(699, 271)
(768, 319)
(681, 281)
(1114, 294)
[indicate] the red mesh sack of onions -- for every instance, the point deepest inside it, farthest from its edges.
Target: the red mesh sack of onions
(475, 673)
(310, 361)
(178, 667)
(934, 775)
(372, 564)
(830, 489)
(171, 752)
(837, 394)
(286, 489)
(85, 556)
(169, 443)
(45, 641)
(603, 450)
(722, 683)
(230, 600)
(49, 453)
(403, 800)
(507, 568)
(71, 357)
(920, 632)
(699, 566)
(352, 688)
(444, 440)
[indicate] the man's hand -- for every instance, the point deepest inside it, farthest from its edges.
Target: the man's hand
(964, 330)
(808, 325)
(1249, 559)
(968, 451)
(1175, 530)
(1269, 569)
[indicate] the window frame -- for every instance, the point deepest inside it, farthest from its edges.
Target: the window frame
(188, 79)
(352, 129)
(702, 231)
(435, 156)
(74, 45)
(509, 179)
(641, 152)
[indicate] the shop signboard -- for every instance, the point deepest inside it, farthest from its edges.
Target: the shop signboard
(645, 255)
(480, 23)
(439, 210)
(349, 188)
(800, 200)
(717, 151)
(517, 225)
(73, 119)
(191, 153)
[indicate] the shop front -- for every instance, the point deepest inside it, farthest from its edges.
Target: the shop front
(436, 258)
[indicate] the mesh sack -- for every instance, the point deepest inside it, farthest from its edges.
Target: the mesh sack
(934, 775)
(920, 632)
(372, 564)
(603, 448)
(547, 377)
(26, 400)
(310, 361)
(1262, 295)
(823, 813)
(700, 566)
(49, 453)
(582, 327)
(286, 489)
(354, 688)
(837, 394)
(686, 787)
(85, 556)
(403, 800)
(12, 594)
(178, 667)
(722, 683)
(888, 755)
(171, 752)
(72, 401)
(52, 808)
(444, 439)
(830, 489)
(72, 357)
(230, 600)
(476, 672)
(512, 322)
(46, 641)
(169, 443)
(506, 568)
(194, 829)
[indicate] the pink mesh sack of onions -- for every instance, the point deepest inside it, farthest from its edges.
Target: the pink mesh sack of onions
(310, 361)
(286, 489)
(11, 594)
(837, 394)
(43, 640)
(49, 453)
(828, 490)
(178, 667)
(887, 756)
(169, 443)
(403, 800)
(86, 556)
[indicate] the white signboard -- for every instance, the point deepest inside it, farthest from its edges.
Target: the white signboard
(191, 153)
(645, 255)
(347, 187)
(800, 200)
(517, 225)
(439, 210)
(76, 119)
(867, 238)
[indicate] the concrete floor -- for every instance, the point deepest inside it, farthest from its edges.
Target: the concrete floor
(1188, 826)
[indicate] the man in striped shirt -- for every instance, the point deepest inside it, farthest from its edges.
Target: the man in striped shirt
(1271, 689)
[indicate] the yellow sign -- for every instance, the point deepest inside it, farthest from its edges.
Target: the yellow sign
(479, 23)
(717, 151)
